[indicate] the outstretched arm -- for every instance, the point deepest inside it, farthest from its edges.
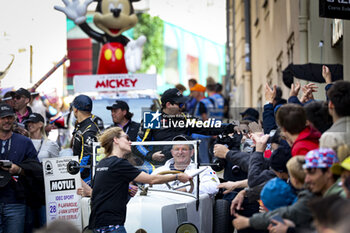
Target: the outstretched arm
(75, 10)
(160, 179)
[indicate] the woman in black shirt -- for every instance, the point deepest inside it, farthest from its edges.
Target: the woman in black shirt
(111, 184)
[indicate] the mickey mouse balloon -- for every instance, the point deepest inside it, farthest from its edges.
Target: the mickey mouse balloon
(118, 54)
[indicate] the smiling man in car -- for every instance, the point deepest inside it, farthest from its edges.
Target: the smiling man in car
(171, 117)
(182, 162)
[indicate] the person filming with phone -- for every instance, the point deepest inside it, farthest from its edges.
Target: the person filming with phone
(15, 149)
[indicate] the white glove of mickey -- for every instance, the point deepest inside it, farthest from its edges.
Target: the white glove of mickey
(75, 10)
(133, 54)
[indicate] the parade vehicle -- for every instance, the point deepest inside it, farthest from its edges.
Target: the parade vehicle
(157, 210)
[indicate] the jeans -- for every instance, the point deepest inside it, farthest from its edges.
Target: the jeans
(121, 229)
(12, 218)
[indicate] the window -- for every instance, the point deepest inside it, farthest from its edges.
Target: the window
(269, 77)
(279, 70)
(290, 45)
(256, 13)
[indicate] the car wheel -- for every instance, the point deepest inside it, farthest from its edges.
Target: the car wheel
(221, 216)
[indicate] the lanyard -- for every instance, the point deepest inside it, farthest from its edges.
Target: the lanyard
(6, 153)
(122, 126)
(41, 144)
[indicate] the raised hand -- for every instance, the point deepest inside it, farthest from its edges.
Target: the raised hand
(260, 141)
(255, 127)
(75, 10)
(326, 74)
(270, 94)
(133, 54)
(307, 92)
(294, 90)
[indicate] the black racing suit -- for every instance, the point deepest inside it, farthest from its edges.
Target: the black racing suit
(84, 135)
(131, 129)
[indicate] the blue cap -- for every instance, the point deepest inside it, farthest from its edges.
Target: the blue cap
(277, 193)
(82, 103)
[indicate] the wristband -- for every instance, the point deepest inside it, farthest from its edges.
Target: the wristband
(19, 171)
(176, 176)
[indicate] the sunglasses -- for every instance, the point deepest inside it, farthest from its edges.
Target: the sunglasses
(180, 104)
(127, 137)
(18, 97)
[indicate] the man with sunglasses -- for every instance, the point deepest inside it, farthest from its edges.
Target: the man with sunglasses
(172, 106)
(22, 100)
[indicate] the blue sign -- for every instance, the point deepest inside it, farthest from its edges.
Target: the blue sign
(151, 120)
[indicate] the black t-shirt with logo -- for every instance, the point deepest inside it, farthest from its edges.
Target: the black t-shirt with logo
(110, 192)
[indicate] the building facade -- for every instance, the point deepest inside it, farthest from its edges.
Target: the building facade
(265, 36)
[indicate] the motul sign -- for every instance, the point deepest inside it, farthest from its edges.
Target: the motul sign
(113, 82)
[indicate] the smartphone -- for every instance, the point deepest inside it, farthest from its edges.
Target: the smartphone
(276, 218)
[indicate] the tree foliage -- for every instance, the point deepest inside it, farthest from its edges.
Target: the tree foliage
(153, 49)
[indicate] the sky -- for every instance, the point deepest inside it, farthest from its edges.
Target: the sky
(36, 23)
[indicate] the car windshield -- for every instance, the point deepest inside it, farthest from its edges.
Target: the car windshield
(137, 107)
(182, 151)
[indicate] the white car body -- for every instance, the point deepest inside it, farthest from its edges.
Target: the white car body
(164, 211)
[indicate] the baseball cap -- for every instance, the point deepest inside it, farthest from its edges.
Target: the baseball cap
(119, 104)
(23, 92)
(320, 158)
(198, 87)
(6, 110)
(173, 95)
(251, 112)
(82, 103)
(9, 95)
(338, 168)
(181, 137)
(35, 117)
(277, 193)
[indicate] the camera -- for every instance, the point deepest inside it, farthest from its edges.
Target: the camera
(231, 142)
(5, 163)
(274, 136)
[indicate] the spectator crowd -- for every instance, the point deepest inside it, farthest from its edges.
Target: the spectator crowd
(288, 171)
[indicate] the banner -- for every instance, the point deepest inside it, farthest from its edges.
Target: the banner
(335, 9)
(114, 82)
(62, 200)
